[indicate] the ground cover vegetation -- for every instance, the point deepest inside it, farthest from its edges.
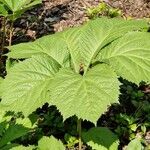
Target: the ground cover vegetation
(86, 87)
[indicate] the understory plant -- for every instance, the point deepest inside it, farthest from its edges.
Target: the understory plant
(77, 70)
(12, 10)
(12, 128)
(103, 9)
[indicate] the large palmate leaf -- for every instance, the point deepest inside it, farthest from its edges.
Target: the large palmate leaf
(129, 56)
(82, 42)
(51, 143)
(53, 46)
(87, 96)
(101, 139)
(28, 84)
(85, 42)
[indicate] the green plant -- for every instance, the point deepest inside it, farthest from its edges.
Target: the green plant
(103, 10)
(77, 70)
(47, 143)
(101, 138)
(12, 129)
(12, 10)
(71, 140)
(135, 145)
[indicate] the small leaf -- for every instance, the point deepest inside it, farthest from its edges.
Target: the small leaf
(134, 145)
(51, 143)
(133, 127)
(13, 132)
(101, 138)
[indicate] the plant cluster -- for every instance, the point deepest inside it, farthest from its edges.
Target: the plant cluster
(103, 9)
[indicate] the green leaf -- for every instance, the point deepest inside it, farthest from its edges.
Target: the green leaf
(54, 46)
(8, 146)
(85, 42)
(129, 56)
(28, 84)
(16, 5)
(20, 147)
(87, 96)
(25, 122)
(51, 143)
(134, 145)
(101, 139)
(3, 11)
(1, 81)
(13, 132)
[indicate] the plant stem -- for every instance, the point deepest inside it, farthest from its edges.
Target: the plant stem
(3, 35)
(11, 33)
(79, 129)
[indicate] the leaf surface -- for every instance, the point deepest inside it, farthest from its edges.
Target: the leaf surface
(20, 147)
(28, 84)
(16, 5)
(87, 96)
(51, 143)
(86, 41)
(54, 46)
(134, 145)
(101, 139)
(13, 132)
(129, 56)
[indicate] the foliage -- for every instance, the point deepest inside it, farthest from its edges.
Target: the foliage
(103, 9)
(101, 139)
(20, 147)
(13, 9)
(47, 143)
(71, 140)
(135, 145)
(77, 70)
(57, 73)
(127, 120)
(11, 129)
